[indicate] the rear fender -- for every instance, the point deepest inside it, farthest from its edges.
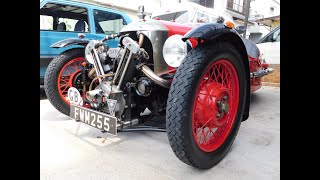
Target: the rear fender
(210, 31)
(69, 42)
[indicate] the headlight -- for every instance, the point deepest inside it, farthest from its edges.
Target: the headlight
(174, 50)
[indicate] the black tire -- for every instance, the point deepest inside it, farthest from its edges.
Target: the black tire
(181, 97)
(51, 78)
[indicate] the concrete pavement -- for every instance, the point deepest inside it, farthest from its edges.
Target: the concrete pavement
(71, 150)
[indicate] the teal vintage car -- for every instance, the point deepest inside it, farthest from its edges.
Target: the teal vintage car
(62, 19)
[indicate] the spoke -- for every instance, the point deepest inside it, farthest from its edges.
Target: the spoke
(219, 131)
(63, 85)
(214, 74)
(216, 133)
(218, 67)
(64, 78)
(217, 73)
(64, 81)
(218, 77)
(75, 66)
(80, 66)
(209, 72)
(206, 122)
(202, 127)
(65, 88)
(221, 73)
(209, 76)
(71, 69)
(196, 129)
(226, 80)
(68, 70)
(65, 93)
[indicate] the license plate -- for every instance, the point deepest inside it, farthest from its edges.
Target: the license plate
(99, 120)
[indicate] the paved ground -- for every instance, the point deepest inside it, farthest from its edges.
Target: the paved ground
(70, 150)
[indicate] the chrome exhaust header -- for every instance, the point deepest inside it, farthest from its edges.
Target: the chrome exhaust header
(154, 77)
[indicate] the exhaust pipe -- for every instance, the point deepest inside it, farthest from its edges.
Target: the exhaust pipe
(154, 77)
(261, 73)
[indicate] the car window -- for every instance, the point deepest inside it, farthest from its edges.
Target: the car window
(276, 36)
(71, 25)
(108, 22)
(59, 17)
(270, 38)
(46, 22)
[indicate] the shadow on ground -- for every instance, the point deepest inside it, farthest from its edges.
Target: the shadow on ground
(255, 99)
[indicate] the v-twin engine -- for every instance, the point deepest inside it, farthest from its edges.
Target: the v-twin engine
(116, 74)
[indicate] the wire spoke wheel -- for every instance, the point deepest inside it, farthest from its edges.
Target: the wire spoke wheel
(206, 102)
(215, 105)
(63, 72)
(67, 76)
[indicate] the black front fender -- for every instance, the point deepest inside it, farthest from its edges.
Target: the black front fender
(69, 42)
(217, 31)
(208, 31)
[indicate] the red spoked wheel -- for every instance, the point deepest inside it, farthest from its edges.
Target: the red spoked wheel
(206, 102)
(63, 72)
(215, 105)
(67, 75)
